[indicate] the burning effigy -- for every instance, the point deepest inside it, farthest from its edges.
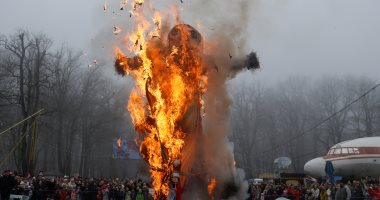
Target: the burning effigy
(177, 83)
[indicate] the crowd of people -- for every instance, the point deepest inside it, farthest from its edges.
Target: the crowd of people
(366, 189)
(79, 188)
(42, 187)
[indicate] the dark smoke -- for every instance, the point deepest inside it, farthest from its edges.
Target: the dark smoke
(252, 61)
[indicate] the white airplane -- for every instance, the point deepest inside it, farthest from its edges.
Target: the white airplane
(353, 158)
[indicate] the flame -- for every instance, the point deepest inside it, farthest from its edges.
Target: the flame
(170, 81)
(119, 142)
(211, 187)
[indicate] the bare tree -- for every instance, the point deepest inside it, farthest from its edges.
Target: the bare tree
(62, 93)
(293, 117)
(329, 96)
(247, 119)
(364, 114)
(28, 54)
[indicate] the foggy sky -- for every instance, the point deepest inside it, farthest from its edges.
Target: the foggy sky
(291, 37)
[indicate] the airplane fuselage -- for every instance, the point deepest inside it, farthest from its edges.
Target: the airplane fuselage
(355, 158)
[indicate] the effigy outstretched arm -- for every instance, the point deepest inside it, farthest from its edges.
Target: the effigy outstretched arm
(123, 64)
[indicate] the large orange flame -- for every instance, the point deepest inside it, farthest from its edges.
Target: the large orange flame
(169, 80)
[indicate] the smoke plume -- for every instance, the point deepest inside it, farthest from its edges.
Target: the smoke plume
(208, 152)
(227, 56)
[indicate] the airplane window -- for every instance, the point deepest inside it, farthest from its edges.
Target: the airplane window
(338, 151)
(344, 151)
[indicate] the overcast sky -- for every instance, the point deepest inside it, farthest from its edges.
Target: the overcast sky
(292, 37)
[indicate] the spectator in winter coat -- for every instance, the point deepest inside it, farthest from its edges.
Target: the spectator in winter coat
(348, 190)
(357, 192)
(323, 194)
(341, 193)
(139, 195)
(296, 193)
(7, 183)
(330, 192)
(375, 192)
(315, 192)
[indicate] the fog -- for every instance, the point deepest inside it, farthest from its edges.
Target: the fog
(292, 37)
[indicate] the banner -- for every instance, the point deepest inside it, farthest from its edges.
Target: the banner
(125, 149)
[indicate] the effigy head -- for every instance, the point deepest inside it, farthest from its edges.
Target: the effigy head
(185, 37)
